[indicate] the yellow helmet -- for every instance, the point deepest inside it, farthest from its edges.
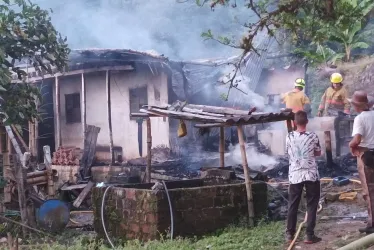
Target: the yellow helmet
(300, 82)
(336, 78)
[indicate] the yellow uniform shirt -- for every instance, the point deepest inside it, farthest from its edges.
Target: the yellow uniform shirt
(295, 100)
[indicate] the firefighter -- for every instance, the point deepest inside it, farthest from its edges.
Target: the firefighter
(334, 100)
(296, 99)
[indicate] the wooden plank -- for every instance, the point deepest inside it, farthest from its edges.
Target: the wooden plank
(82, 196)
(329, 160)
(77, 72)
(142, 115)
(91, 150)
(36, 133)
(21, 190)
(72, 187)
(48, 166)
(222, 147)
(149, 151)
(289, 126)
(84, 118)
(184, 115)
(86, 146)
(20, 138)
(109, 112)
(57, 113)
(248, 184)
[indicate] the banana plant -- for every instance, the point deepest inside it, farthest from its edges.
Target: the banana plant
(319, 54)
(350, 38)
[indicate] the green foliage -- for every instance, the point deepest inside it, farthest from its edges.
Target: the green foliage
(264, 236)
(311, 24)
(26, 33)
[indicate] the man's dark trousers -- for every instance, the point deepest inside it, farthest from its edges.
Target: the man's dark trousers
(313, 192)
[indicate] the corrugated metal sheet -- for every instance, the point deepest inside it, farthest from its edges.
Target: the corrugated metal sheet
(226, 120)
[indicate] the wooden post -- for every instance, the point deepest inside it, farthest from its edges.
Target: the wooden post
(31, 137)
(109, 110)
(248, 184)
(329, 160)
(149, 151)
(84, 120)
(222, 147)
(21, 189)
(57, 113)
(289, 126)
(20, 138)
(2, 139)
(36, 134)
(48, 163)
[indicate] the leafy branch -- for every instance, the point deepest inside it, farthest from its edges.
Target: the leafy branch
(27, 36)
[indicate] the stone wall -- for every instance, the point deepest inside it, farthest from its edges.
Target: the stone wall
(199, 207)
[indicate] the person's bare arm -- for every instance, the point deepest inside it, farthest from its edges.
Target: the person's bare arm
(353, 144)
(357, 133)
(317, 147)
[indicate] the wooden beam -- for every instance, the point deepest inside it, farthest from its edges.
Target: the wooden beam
(20, 138)
(248, 184)
(109, 112)
(82, 196)
(21, 190)
(329, 161)
(222, 147)
(84, 120)
(48, 166)
(58, 114)
(36, 133)
(77, 72)
(149, 151)
(289, 126)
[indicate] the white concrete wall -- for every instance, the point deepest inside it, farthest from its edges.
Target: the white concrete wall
(275, 137)
(125, 131)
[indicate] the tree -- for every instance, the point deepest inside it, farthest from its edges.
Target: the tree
(307, 22)
(27, 35)
(350, 38)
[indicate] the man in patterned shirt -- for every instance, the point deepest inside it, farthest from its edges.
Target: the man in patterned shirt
(302, 148)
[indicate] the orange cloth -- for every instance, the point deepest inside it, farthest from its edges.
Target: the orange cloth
(295, 100)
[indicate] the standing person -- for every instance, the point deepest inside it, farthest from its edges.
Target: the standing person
(335, 98)
(362, 146)
(296, 99)
(302, 148)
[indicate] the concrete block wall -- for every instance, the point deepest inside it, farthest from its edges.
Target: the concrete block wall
(134, 213)
(275, 137)
(64, 174)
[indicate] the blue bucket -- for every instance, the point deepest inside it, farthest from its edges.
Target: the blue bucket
(53, 215)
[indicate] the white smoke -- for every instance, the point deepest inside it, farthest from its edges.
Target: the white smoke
(241, 93)
(256, 161)
(167, 26)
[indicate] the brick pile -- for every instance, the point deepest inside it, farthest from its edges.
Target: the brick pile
(67, 156)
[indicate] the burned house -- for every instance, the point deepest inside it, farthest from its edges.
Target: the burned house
(103, 87)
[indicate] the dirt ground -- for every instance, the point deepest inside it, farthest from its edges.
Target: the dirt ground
(334, 232)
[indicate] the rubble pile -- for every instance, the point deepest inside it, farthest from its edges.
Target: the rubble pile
(67, 156)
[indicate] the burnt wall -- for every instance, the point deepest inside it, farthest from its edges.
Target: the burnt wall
(132, 213)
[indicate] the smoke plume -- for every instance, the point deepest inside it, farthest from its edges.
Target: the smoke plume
(169, 27)
(256, 160)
